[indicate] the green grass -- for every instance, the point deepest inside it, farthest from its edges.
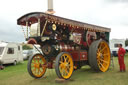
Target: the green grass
(18, 75)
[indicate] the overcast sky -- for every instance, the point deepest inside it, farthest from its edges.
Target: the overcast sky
(107, 13)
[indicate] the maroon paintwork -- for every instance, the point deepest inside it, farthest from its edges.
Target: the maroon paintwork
(79, 48)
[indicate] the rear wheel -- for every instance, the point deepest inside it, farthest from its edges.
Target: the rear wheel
(99, 55)
(64, 65)
(36, 66)
(15, 62)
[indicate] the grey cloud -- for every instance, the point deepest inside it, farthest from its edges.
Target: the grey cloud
(10, 32)
(116, 1)
(11, 36)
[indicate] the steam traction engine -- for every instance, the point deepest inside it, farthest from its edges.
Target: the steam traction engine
(66, 44)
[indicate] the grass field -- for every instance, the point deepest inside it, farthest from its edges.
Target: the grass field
(18, 75)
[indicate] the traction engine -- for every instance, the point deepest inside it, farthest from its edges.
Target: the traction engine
(66, 44)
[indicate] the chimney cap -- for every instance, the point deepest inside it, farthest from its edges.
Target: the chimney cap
(50, 12)
(50, 7)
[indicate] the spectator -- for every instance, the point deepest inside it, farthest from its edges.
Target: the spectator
(121, 53)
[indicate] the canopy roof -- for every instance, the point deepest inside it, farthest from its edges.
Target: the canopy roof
(33, 17)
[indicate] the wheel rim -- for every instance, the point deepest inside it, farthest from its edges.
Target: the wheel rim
(15, 62)
(66, 66)
(38, 66)
(103, 56)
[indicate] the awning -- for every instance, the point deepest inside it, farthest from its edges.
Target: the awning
(33, 17)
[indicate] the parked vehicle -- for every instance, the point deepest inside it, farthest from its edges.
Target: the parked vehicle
(114, 45)
(126, 48)
(36, 49)
(65, 43)
(10, 53)
(27, 54)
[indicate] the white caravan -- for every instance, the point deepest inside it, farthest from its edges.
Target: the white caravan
(10, 53)
(114, 45)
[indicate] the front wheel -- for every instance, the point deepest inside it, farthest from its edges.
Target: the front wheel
(64, 65)
(36, 66)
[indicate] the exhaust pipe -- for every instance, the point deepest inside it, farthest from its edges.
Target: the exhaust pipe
(50, 7)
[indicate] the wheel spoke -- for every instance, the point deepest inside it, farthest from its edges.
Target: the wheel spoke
(104, 61)
(64, 58)
(98, 51)
(62, 72)
(61, 59)
(34, 59)
(102, 65)
(105, 54)
(60, 69)
(38, 59)
(34, 70)
(66, 72)
(32, 65)
(68, 67)
(38, 71)
(100, 46)
(61, 66)
(102, 49)
(41, 61)
(61, 62)
(33, 62)
(98, 55)
(68, 61)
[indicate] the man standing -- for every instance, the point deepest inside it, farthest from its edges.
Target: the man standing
(121, 53)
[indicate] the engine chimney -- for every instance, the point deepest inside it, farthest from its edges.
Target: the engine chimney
(50, 7)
